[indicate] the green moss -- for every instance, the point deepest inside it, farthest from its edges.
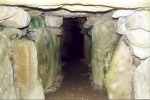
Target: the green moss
(37, 22)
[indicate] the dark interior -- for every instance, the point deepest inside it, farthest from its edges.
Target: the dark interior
(73, 39)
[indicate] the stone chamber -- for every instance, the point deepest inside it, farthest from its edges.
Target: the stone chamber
(74, 50)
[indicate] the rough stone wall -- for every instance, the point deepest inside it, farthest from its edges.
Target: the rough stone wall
(133, 62)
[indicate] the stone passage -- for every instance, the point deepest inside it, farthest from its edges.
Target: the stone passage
(76, 84)
(52, 48)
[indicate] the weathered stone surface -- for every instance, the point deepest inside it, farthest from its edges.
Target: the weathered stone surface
(48, 46)
(5, 43)
(12, 33)
(136, 29)
(84, 8)
(133, 19)
(104, 40)
(139, 38)
(65, 13)
(122, 13)
(87, 47)
(121, 26)
(26, 69)
(142, 80)
(53, 21)
(7, 86)
(13, 17)
(103, 4)
(139, 41)
(140, 52)
(139, 20)
(120, 75)
(37, 23)
(91, 20)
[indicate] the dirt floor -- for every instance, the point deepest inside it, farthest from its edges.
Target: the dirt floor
(76, 84)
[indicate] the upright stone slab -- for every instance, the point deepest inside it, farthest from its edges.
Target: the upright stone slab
(48, 46)
(119, 79)
(7, 86)
(26, 70)
(104, 40)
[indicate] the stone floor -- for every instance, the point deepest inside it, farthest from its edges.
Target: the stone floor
(76, 85)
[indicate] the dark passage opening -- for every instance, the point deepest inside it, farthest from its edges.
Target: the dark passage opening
(73, 39)
(76, 84)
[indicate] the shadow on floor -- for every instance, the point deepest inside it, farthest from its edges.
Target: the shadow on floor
(76, 84)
